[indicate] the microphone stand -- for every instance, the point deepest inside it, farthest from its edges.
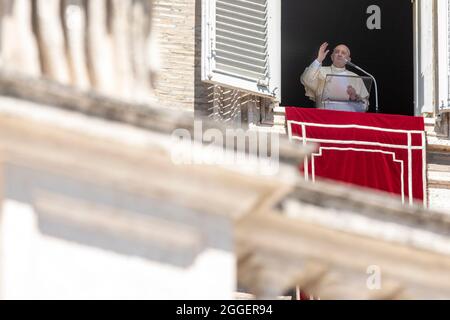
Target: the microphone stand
(372, 77)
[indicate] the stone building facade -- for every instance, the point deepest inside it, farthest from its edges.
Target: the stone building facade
(93, 205)
(178, 28)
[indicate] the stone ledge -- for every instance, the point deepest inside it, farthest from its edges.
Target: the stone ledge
(48, 92)
(439, 176)
(381, 205)
(438, 144)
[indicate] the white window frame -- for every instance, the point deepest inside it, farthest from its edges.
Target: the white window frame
(443, 54)
(426, 57)
(273, 91)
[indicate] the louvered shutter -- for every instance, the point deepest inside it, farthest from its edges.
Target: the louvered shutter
(240, 45)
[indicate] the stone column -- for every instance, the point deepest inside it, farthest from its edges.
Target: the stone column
(99, 45)
(18, 47)
(74, 20)
(122, 47)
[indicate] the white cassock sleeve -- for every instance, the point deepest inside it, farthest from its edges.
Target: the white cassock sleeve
(311, 79)
(361, 89)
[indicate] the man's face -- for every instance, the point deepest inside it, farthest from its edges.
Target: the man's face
(340, 53)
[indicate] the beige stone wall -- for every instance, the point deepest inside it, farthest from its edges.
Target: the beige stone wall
(174, 22)
(177, 25)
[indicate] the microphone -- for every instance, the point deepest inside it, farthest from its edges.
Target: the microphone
(371, 76)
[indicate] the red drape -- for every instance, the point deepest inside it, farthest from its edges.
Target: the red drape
(384, 152)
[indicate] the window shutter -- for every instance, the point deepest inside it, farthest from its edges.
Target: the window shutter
(237, 47)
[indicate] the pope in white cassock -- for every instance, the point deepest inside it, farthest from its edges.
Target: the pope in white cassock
(334, 82)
